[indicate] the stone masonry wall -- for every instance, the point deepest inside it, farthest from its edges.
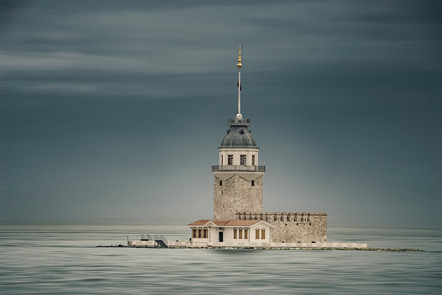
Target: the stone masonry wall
(236, 194)
(292, 227)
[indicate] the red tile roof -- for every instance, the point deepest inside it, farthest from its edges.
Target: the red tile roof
(232, 222)
(199, 222)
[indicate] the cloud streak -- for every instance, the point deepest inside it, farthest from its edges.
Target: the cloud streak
(118, 110)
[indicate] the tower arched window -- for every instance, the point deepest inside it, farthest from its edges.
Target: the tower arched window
(229, 159)
(243, 160)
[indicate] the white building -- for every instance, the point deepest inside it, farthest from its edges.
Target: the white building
(254, 233)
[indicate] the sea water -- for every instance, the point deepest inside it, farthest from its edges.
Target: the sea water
(65, 260)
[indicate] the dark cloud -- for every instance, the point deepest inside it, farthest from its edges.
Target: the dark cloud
(116, 110)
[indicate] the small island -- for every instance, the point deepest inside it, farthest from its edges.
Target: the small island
(238, 219)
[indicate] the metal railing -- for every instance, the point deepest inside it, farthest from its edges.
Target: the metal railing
(161, 241)
(145, 237)
(217, 168)
(242, 122)
(159, 238)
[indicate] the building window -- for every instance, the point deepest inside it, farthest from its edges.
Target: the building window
(220, 183)
(253, 183)
(205, 233)
(257, 234)
(234, 233)
(253, 160)
(222, 160)
(263, 234)
(229, 159)
(240, 234)
(243, 160)
(194, 233)
(199, 233)
(246, 233)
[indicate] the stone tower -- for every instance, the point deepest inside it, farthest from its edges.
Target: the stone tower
(238, 177)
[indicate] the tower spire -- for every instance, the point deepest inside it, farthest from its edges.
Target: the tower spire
(239, 66)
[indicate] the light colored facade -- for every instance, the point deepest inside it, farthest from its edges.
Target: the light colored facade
(239, 156)
(231, 233)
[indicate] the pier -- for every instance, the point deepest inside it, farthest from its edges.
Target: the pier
(159, 241)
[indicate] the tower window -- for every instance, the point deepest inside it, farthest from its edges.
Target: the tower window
(242, 159)
(220, 183)
(253, 160)
(253, 183)
(229, 159)
(222, 160)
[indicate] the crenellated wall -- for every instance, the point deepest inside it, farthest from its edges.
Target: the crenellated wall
(292, 227)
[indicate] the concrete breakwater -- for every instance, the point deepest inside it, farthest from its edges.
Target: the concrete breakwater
(336, 246)
(239, 245)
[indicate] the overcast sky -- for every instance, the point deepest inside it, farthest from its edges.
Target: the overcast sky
(113, 111)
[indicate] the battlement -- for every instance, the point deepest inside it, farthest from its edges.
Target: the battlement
(292, 227)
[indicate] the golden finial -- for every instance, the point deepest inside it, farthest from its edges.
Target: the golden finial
(239, 64)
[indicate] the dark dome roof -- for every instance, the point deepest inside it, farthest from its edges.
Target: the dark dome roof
(238, 136)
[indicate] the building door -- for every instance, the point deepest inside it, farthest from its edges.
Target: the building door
(221, 236)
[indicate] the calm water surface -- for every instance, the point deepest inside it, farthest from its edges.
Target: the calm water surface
(65, 260)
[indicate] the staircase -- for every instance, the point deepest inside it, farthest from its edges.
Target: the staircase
(161, 241)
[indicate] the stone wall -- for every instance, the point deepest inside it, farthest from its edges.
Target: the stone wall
(292, 227)
(236, 194)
